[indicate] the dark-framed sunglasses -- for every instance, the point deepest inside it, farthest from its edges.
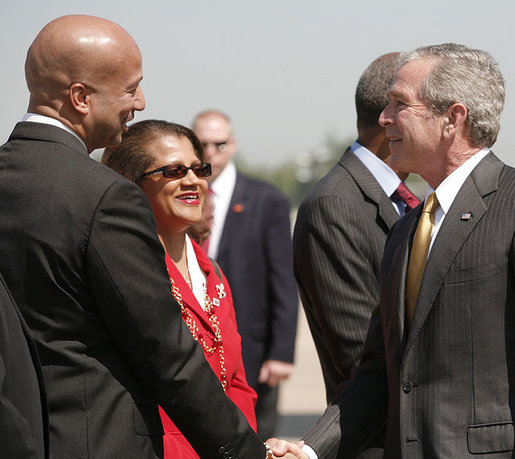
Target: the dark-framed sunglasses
(177, 171)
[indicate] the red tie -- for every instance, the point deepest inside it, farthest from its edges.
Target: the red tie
(402, 193)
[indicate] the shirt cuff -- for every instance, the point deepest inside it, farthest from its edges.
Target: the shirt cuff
(309, 451)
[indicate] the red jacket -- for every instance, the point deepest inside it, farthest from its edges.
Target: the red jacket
(175, 444)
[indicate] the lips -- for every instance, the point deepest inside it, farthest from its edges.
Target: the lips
(126, 120)
(394, 139)
(189, 198)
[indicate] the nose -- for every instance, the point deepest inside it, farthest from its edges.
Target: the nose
(190, 178)
(386, 116)
(139, 100)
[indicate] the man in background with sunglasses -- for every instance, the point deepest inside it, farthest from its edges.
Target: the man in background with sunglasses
(251, 240)
(80, 254)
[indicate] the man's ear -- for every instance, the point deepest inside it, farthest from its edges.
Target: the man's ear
(78, 96)
(455, 118)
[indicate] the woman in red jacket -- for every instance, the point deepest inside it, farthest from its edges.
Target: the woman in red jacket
(165, 160)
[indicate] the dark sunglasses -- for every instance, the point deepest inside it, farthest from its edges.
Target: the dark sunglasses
(177, 171)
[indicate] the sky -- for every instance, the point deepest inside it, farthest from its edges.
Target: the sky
(285, 71)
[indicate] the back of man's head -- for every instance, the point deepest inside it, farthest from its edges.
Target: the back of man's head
(372, 90)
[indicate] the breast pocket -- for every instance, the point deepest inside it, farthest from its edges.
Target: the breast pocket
(472, 273)
(490, 438)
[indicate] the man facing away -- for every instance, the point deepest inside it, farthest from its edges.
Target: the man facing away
(251, 241)
(79, 251)
(340, 233)
(439, 361)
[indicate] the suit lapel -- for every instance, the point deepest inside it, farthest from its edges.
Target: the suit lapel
(237, 208)
(453, 233)
(370, 187)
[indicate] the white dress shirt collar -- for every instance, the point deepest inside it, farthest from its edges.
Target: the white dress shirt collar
(222, 189)
(449, 188)
(197, 276)
(385, 176)
(36, 118)
(388, 180)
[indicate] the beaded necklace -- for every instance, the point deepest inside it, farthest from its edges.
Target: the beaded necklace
(192, 325)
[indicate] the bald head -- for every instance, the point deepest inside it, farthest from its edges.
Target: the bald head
(94, 53)
(75, 48)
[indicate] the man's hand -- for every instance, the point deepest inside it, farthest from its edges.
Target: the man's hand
(287, 449)
(274, 371)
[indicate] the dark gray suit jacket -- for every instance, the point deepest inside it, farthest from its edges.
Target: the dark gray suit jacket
(79, 251)
(448, 388)
(23, 407)
(338, 244)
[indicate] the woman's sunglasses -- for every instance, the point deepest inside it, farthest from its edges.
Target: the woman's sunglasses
(177, 171)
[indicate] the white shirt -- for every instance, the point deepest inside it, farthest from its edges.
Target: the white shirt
(197, 276)
(449, 188)
(222, 189)
(35, 118)
(388, 180)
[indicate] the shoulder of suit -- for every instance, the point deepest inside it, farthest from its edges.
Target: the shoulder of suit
(338, 183)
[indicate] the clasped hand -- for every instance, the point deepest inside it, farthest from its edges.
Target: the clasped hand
(287, 449)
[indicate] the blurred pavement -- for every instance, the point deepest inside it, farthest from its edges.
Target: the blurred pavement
(302, 396)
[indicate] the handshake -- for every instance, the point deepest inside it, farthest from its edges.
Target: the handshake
(286, 449)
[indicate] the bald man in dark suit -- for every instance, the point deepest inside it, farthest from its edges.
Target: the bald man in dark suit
(80, 254)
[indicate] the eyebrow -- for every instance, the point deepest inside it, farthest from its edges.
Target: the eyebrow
(392, 93)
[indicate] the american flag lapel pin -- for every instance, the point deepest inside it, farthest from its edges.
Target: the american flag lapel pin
(466, 216)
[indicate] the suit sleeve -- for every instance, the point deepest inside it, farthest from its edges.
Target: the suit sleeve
(241, 393)
(128, 277)
(283, 294)
(335, 267)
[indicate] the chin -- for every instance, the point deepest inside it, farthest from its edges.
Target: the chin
(114, 142)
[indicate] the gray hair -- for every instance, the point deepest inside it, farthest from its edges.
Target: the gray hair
(468, 76)
(372, 90)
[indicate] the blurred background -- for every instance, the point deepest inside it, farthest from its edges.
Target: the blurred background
(285, 71)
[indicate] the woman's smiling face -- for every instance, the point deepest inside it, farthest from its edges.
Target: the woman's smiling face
(177, 203)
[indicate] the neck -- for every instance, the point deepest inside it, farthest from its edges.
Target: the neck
(175, 246)
(440, 170)
(374, 141)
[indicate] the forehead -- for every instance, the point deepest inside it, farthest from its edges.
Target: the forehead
(170, 148)
(212, 127)
(410, 77)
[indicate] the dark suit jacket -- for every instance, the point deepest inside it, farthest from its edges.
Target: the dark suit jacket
(451, 381)
(79, 251)
(255, 255)
(338, 245)
(23, 409)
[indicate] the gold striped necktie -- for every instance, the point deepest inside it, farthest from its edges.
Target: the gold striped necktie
(418, 256)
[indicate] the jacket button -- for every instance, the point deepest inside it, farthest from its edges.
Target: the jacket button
(407, 387)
